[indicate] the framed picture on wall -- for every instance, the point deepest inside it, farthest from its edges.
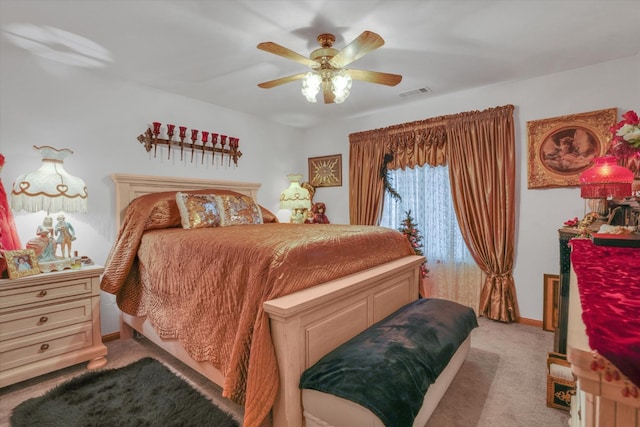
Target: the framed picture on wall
(326, 171)
(561, 148)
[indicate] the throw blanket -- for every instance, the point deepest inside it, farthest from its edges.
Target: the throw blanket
(609, 286)
(206, 287)
(389, 367)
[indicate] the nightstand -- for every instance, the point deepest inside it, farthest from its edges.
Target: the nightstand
(50, 321)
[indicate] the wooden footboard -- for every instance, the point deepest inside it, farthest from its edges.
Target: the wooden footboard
(308, 324)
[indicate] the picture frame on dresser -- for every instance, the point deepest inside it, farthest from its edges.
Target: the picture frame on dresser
(21, 263)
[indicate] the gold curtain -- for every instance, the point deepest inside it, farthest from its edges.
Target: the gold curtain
(481, 156)
(366, 154)
(479, 148)
(416, 143)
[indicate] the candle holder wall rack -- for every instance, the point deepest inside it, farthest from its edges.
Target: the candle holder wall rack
(202, 142)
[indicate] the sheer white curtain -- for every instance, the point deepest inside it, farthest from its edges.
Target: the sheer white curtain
(453, 274)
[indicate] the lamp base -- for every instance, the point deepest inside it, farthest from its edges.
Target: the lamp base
(599, 206)
(57, 265)
(298, 216)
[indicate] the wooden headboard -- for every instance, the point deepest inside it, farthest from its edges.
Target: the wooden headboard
(129, 187)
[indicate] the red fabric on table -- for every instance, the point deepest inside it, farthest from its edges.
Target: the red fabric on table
(609, 285)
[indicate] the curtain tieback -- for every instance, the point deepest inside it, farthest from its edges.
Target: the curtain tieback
(505, 275)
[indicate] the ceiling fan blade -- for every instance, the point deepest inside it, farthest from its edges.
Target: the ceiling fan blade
(281, 81)
(329, 97)
(366, 42)
(375, 77)
(276, 49)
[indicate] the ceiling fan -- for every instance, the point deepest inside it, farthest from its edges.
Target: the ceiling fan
(328, 67)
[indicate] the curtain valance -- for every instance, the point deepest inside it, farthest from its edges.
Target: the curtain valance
(423, 141)
(413, 144)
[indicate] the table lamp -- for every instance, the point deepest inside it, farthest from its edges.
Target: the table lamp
(296, 199)
(603, 180)
(51, 189)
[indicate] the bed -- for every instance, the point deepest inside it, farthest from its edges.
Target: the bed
(301, 326)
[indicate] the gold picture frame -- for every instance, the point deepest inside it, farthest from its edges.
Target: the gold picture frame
(325, 171)
(551, 302)
(21, 263)
(561, 148)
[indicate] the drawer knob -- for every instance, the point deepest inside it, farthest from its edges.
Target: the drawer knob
(43, 319)
(42, 293)
(44, 347)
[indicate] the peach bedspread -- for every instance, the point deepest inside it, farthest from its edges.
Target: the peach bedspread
(206, 287)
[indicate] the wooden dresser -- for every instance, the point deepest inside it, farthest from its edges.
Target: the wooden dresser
(599, 400)
(50, 321)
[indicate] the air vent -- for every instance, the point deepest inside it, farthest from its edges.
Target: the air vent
(414, 92)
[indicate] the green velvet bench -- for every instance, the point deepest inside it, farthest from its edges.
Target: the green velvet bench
(392, 374)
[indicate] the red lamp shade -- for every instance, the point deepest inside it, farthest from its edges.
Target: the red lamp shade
(606, 179)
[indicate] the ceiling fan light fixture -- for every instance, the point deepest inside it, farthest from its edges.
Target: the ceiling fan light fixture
(311, 85)
(341, 83)
(329, 74)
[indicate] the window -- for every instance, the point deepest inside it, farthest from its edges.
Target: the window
(426, 192)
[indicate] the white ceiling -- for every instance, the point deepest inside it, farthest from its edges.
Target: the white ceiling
(207, 49)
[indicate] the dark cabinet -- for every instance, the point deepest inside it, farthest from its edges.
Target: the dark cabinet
(560, 339)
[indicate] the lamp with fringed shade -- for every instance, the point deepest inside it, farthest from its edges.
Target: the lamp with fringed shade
(296, 198)
(603, 180)
(51, 189)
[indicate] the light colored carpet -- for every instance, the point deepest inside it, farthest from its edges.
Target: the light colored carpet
(502, 382)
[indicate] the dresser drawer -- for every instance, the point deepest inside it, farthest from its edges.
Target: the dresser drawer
(45, 345)
(44, 293)
(20, 323)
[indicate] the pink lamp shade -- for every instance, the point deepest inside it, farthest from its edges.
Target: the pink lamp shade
(606, 179)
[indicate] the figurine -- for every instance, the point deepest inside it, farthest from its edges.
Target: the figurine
(297, 216)
(319, 215)
(44, 244)
(65, 234)
(309, 218)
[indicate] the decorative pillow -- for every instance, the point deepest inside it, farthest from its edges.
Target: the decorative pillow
(164, 208)
(164, 214)
(198, 210)
(238, 210)
(267, 215)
